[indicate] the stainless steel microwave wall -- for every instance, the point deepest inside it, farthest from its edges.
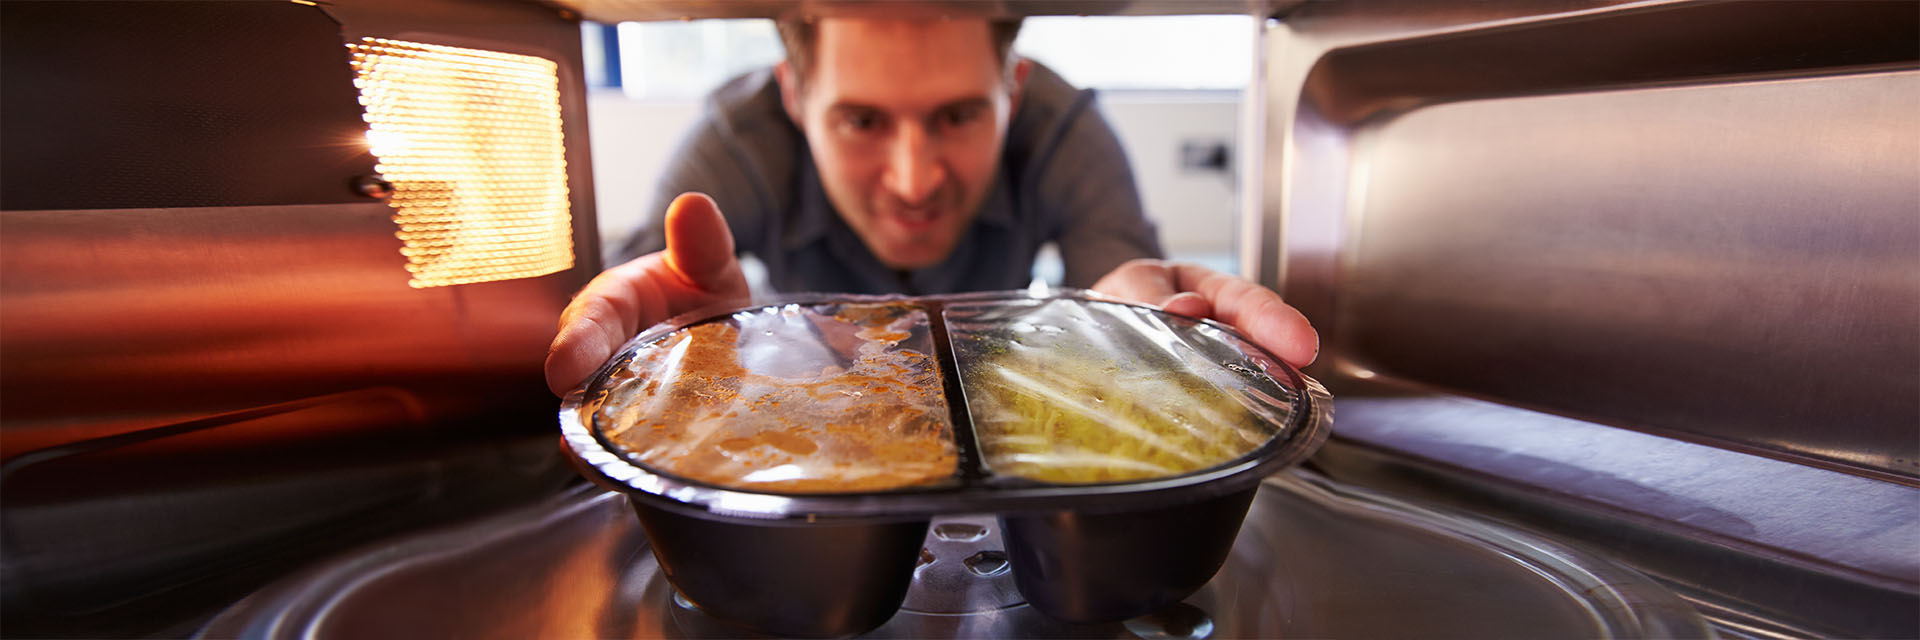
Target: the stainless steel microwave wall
(1529, 230)
(216, 360)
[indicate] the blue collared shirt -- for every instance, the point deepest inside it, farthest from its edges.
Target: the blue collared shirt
(1063, 179)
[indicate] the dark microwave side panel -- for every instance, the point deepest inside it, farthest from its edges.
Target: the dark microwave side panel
(213, 366)
(125, 105)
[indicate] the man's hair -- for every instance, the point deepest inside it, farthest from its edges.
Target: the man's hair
(801, 33)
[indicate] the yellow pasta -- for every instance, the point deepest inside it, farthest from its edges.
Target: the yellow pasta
(1065, 420)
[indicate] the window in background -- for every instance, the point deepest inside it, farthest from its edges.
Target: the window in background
(600, 53)
(1169, 85)
(686, 60)
(1162, 52)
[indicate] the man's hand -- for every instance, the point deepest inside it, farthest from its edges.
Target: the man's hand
(697, 269)
(1193, 290)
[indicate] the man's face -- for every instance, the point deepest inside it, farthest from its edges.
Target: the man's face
(906, 120)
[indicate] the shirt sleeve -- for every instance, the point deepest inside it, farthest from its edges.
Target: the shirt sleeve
(706, 161)
(1088, 184)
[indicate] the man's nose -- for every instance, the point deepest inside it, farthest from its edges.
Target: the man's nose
(914, 170)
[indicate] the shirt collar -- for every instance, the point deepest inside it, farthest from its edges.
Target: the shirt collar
(812, 213)
(997, 209)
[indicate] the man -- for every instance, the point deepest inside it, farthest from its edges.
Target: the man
(873, 160)
(909, 154)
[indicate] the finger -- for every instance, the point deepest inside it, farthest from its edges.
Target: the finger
(1153, 282)
(572, 358)
(607, 312)
(697, 269)
(1188, 303)
(1280, 328)
(1142, 281)
(700, 246)
(609, 289)
(1256, 311)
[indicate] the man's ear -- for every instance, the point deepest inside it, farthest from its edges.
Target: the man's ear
(789, 92)
(1021, 67)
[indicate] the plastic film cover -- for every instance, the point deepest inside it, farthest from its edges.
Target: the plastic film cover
(799, 398)
(872, 409)
(1074, 391)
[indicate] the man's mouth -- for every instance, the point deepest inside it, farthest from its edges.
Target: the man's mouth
(915, 219)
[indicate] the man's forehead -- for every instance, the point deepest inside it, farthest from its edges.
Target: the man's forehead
(889, 59)
(905, 9)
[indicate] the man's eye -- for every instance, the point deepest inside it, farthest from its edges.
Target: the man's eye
(957, 116)
(861, 122)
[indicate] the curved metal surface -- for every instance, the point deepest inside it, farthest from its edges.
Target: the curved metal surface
(1694, 220)
(1314, 559)
(1767, 547)
(1655, 215)
(1690, 219)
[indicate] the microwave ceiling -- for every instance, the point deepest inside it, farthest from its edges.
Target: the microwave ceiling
(611, 11)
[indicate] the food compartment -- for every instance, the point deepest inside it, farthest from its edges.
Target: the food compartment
(1089, 566)
(827, 398)
(786, 579)
(1075, 391)
(789, 398)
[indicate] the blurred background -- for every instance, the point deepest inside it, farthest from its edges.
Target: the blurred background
(1176, 105)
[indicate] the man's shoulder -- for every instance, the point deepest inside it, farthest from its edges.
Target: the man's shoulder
(751, 99)
(1046, 95)
(743, 125)
(1051, 111)
(745, 112)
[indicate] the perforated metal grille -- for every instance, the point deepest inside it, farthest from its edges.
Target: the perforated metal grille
(471, 141)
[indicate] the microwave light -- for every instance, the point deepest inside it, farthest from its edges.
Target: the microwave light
(471, 141)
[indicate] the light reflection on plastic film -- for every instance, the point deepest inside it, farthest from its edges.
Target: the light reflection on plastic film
(471, 141)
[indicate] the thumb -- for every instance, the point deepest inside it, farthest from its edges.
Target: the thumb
(700, 246)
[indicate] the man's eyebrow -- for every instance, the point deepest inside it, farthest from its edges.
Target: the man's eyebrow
(975, 102)
(852, 106)
(970, 102)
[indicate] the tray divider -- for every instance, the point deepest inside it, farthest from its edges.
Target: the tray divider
(973, 464)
